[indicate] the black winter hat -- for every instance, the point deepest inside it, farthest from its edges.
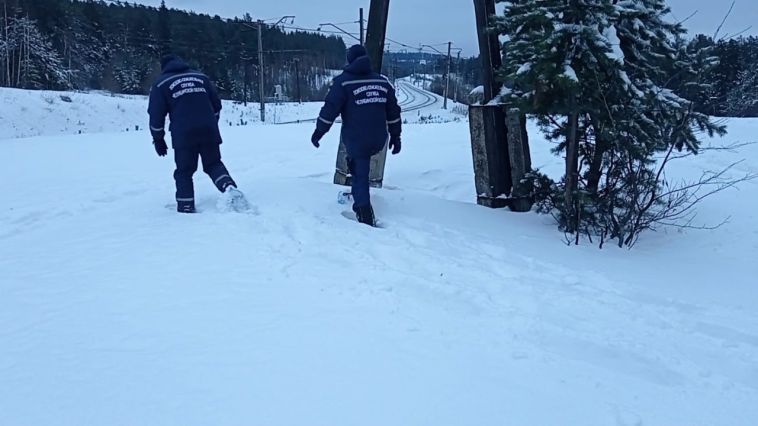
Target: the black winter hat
(165, 59)
(355, 52)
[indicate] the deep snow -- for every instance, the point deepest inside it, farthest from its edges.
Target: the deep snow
(114, 310)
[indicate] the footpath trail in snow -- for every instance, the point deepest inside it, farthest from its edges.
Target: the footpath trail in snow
(116, 310)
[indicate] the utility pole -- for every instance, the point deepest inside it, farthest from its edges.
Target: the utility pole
(259, 25)
(457, 75)
(489, 46)
(377, 30)
(261, 81)
(362, 32)
(447, 75)
(446, 91)
(499, 141)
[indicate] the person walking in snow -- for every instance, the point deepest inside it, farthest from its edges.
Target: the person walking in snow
(370, 116)
(194, 108)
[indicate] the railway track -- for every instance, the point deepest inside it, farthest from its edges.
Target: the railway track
(416, 98)
(411, 98)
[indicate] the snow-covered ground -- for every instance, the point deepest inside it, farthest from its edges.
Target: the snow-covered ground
(115, 310)
(46, 113)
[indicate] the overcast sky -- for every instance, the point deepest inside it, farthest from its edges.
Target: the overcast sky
(437, 21)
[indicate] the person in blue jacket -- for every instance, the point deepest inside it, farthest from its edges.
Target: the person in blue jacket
(370, 115)
(194, 108)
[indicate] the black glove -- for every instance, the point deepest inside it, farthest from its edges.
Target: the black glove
(317, 135)
(395, 144)
(160, 147)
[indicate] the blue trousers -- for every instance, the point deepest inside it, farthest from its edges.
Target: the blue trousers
(360, 168)
(186, 166)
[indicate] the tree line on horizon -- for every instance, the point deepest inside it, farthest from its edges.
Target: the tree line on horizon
(116, 46)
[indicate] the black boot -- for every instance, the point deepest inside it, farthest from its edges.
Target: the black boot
(365, 214)
(185, 206)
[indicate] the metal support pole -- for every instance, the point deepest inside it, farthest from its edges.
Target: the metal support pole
(362, 29)
(261, 81)
(457, 75)
(447, 75)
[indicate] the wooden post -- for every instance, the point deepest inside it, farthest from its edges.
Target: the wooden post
(489, 48)
(492, 171)
(499, 141)
(377, 29)
(520, 159)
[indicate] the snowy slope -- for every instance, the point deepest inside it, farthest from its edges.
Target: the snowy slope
(114, 310)
(27, 113)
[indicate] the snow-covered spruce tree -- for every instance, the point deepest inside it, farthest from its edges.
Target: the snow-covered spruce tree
(131, 70)
(132, 61)
(84, 52)
(560, 67)
(742, 100)
(656, 123)
(595, 74)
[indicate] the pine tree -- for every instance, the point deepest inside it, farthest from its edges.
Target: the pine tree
(597, 75)
(560, 65)
(116, 46)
